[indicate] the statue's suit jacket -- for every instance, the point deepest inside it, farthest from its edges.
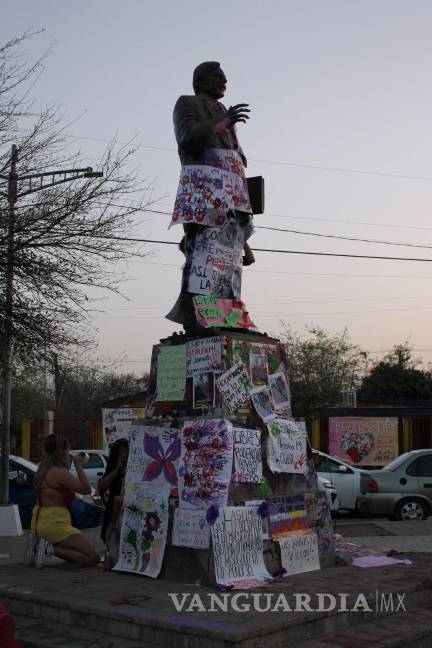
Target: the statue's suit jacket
(194, 118)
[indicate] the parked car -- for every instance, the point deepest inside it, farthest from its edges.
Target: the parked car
(345, 478)
(325, 486)
(94, 468)
(402, 489)
(85, 512)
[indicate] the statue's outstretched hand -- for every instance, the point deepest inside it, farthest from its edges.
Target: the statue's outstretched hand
(238, 113)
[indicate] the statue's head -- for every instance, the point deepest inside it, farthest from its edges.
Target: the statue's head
(208, 77)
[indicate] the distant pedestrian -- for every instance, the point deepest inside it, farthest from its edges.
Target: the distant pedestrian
(111, 488)
(51, 524)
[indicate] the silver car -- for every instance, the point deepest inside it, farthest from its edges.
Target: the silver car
(401, 490)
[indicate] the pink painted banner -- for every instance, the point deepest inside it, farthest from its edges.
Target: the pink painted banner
(369, 441)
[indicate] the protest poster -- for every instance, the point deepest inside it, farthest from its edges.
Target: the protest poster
(286, 446)
(299, 554)
(234, 386)
(212, 311)
(288, 516)
(171, 373)
(190, 529)
(143, 531)
(216, 264)
(263, 406)
(203, 390)
(255, 504)
(116, 422)
(279, 390)
(207, 191)
(258, 369)
(238, 548)
(206, 463)
(364, 440)
(154, 455)
(203, 355)
(247, 455)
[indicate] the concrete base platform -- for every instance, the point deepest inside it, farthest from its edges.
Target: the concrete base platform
(129, 610)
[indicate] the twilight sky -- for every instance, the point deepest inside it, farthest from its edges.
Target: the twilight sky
(341, 105)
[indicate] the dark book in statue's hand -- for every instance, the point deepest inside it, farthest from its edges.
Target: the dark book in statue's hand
(256, 194)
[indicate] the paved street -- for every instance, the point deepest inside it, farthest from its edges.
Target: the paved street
(61, 605)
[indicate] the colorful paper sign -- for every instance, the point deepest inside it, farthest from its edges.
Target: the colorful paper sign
(206, 463)
(207, 192)
(234, 386)
(288, 516)
(171, 373)
(238, 548)
(263, 406)
(279, 390)
(190, 529)
(143, 532)
(300, 554)
(286, 446)
(247, 455)
(203, 355)
(154, 455)
(363, 440)
(215, 312)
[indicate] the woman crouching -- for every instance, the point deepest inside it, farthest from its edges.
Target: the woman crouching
(53, 533)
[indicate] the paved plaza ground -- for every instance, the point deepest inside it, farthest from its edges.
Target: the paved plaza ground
(61, 605)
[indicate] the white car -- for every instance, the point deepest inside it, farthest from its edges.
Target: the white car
(94, 468)
(345, 478)
(325, 486)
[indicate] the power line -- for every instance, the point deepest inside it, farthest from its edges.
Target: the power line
(298, 165)
(326, 254)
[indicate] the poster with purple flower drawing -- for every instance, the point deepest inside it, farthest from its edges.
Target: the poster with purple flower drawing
(206, 463)
(154, 455)
(144, 531)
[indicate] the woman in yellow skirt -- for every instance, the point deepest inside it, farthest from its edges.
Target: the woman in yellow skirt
(52, 530)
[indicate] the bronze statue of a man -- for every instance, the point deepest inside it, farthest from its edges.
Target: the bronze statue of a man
(212, 200)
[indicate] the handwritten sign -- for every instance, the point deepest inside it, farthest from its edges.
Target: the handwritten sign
(238, 548)
(279, 390)
(262, 403)
(216, 264)
(288, 516)
(190, 529)
(247, 455)
(143, 532)
(300, 554)
(203, 355)
(234, 387)
(206, 463)
(213, 311)
(154, 455)
(171, 373)
(286, 446)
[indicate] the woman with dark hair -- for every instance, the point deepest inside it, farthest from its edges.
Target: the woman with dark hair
(110, 487)
(51, 524)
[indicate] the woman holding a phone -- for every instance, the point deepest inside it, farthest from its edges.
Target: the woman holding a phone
(52, 530)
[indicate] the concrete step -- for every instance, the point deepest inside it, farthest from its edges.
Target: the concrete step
(412, 629)
(39, 633)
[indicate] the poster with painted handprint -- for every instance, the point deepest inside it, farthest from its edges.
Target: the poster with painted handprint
(206, 463)
(154, 455)
(286, 446)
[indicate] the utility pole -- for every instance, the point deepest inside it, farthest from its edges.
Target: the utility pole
(12, 197)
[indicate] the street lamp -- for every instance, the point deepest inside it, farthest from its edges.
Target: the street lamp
(37, 182)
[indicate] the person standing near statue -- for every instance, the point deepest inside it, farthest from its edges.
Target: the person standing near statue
(212, 200)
